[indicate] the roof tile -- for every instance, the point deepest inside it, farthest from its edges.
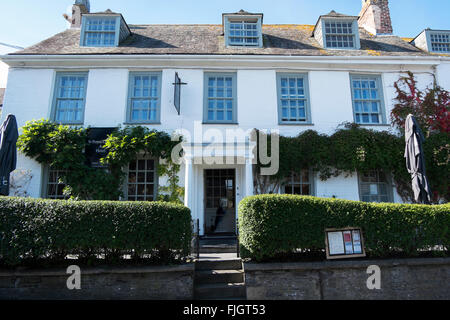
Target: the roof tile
(291, 40)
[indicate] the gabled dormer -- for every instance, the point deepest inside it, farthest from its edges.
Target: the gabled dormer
(436, 41)
(243, 29)
(337, 31)
(103, 29)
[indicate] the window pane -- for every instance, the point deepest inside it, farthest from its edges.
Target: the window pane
(366, 99)
(55, 186)
(293, 95)
(220, 98)
(243, 33)
(141, 185)
(144, 99)
(298, 183)
(100, 31)
(70, 96)
(374, 187)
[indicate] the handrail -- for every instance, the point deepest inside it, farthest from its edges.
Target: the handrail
(198, 239)
(238, 253)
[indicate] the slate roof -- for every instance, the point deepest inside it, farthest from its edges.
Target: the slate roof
(289, 40)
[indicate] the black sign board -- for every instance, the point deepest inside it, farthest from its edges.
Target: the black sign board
(177, 93)
(94, 148)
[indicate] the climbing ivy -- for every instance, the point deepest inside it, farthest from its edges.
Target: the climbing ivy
(355, 149)
(172, 192)
(350, 149)
(62, 147)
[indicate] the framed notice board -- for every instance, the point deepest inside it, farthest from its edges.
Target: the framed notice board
(344, 243)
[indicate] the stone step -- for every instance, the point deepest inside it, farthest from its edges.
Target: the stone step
(219, 291)
(221, 248)
(232, 264)
(219, 276)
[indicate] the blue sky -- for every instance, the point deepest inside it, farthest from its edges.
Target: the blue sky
(25, 22)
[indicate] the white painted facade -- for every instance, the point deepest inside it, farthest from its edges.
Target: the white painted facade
(31, 85)
(5, 49)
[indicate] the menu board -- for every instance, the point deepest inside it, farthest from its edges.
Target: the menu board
(344, 243)
(336, 243)
(94, 147)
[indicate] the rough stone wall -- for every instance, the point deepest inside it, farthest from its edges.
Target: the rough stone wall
(375, 17)
(422, 279)
(149, 283)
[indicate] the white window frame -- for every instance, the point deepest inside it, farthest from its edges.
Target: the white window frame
(355, 33)
(56, 97)
(244, 20)
(381, 112)
(145, 171)
(289, 181)
(306, 98)
(206, 98)
(84, 30)
(47, 171)
(131, 97)
(430, 34)
(389, 186)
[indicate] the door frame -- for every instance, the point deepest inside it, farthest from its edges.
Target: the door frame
(234, 232)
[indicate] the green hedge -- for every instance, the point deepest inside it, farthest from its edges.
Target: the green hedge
(271, 225)
(36, 229)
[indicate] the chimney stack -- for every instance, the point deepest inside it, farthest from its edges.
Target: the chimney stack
(78, 9)
(375, 17)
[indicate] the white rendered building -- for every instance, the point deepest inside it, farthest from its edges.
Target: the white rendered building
(240, 75)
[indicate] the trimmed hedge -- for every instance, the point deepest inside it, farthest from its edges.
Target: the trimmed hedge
(35, 229)
(271, 225)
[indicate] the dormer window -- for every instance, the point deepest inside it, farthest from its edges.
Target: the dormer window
(100, 32)
(437, 41)
(339, 34)
(103, 30)
(243, 29)
(243, 33)
(337, 31)
(440, 42)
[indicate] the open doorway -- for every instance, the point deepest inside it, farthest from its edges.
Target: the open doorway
(220, 201)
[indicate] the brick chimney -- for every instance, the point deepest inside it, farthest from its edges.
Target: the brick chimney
(78, 9)
(375, 17)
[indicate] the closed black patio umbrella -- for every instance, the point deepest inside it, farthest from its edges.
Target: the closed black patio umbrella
(8, 152)
(415, 162)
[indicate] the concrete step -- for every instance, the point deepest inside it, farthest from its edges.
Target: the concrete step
(232, 264)
(219, 291)
(219, 276)
(219, 248)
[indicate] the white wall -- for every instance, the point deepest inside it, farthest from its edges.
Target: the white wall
(443, 75)
(28, 97)
(30, 93)
(4, 67)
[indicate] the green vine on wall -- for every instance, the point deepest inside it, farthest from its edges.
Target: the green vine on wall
(350, 149)
(354, 149)
(62, 147)
(125, 145)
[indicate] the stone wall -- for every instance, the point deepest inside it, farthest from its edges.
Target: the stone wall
(149, 283)
(423, 279)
